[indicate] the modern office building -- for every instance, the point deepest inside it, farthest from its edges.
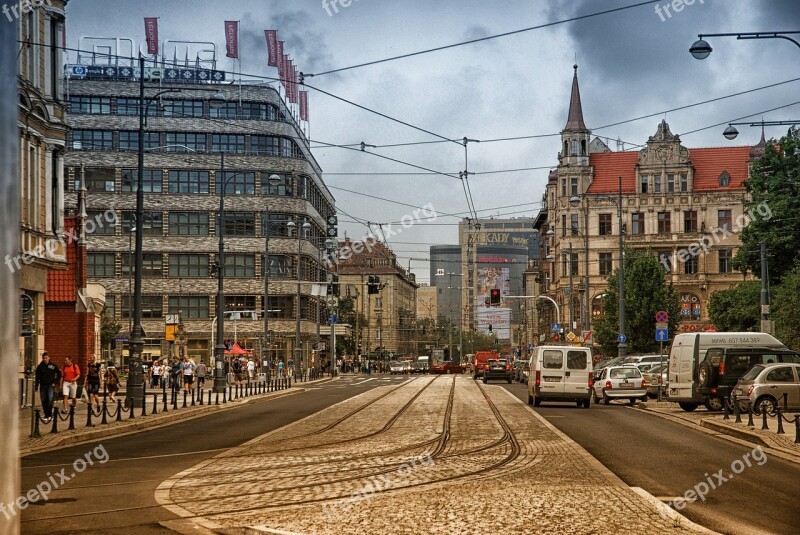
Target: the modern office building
(445, 266)
(252, 147)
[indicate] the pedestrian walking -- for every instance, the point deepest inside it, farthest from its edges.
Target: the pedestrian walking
(155, 376)
(112, 380)
(251, 370)
(237, 371)
(201, 374)
(175, 374)
(70, 374)
(187, 368)
(92, 385)
(280, 369)
(46, 379)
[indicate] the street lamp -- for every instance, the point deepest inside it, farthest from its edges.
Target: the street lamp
(575, 200)
(272, 180)
(298, 350)
(700, 49)
(731, 132)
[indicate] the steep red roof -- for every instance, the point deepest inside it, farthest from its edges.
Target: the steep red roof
(710, 163)
(62, 285)
(609, 166)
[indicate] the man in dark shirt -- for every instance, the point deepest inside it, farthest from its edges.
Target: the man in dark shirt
(47, 376)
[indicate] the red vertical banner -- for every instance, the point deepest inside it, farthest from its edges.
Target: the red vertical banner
(285, 73)
(272, 47)
(151, 34)
(292, 82)
(232, 38)
(281, 62)
(304, 105)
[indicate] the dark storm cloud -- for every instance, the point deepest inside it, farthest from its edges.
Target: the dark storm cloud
(776, 15)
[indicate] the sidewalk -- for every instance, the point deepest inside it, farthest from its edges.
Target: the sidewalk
(81, 433)
(715, 421)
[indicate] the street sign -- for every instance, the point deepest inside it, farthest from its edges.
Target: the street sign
(334, 319)
(622, 339)
(662, 335)
(571, 336)
(332, 301)
(662, 316)
(555, 327)
(662, 325)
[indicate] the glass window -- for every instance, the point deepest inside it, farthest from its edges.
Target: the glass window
(281, 266)
(780, 375)
(100, 264)
(664, 226)
(643, 184)
(665, 258)
(637, 224)
(624, 373)
(604, 224)
(240, 224)
(606, 264)
(179, 141)
(182, 108)
(240, 302)
(563, 187)
(130, 106)
(89, 104)
(188, 223)
(563, 225)
(573, 186)
(188, 181)
(129, 140)
(276, 224)
(577, 360)
(228, 143)
(237, 182)
(102, 226)
(152, 306)
(153, 223)
(92, 140)
(725, 258)
(724, 219)
(670, 183)
(291, 150)
(573, 224)
(690, 266)
(657, 183)
(151, 264)
(265, 145)
(684, 182)
(188, 265)
(151, 180)
(552, 359)
(690, 221)
(284, 187)
(240, 265)
(189, 306)
(96, 179)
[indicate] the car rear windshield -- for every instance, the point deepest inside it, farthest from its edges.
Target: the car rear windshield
(553, 359)
(577, 360)
(624, 373)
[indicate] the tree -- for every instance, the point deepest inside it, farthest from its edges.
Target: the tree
(784, 307)
(774, 188)
(738, 308)
(109, 329)
(646, 293)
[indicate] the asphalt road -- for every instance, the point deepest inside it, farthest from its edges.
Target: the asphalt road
(666, 459)
(115, 494)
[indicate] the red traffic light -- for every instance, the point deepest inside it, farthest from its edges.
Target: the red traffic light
(555, 337)
(494, 296)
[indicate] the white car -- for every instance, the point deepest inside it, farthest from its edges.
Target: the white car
(619, 382)
(396, 367)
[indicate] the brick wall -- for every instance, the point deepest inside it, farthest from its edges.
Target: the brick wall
(61, 336)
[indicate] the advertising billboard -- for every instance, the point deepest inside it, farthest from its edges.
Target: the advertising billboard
(498, 318)
(492, 278)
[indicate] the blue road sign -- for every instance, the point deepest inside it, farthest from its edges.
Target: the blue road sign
(662, 335)
(555, 327)
(622, 339)
(334, 319)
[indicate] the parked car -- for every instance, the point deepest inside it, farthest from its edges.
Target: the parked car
(396, 367)
(447, 366)
(605, 363)
(497, 369)
(764, 386)
(419, 367)
(560, 373)
(619, 382)
(656, 378)
(640, 359)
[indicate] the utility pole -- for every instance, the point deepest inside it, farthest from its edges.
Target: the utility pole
(766, 324)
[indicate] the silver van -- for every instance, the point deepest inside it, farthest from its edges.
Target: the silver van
(560, 373)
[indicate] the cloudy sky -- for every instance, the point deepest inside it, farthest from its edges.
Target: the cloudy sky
(632, 63)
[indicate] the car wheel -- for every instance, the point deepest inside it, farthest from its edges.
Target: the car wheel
(704, 373)
(688, 407)
(530, 399)
(594, 397)
(579, 403)
(632, 401)
(606, 399)
(586, 403)
(713, 404)
(766, 403)
(537, 402)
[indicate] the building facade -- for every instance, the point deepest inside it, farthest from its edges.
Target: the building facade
(427, 302)
(391, 313)
(682, 204)
(42, 133)
(269, 178)
(446, 277)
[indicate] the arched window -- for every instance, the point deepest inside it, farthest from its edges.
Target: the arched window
(574, 151)
(566, 148)
(583, 147)
(724, 179)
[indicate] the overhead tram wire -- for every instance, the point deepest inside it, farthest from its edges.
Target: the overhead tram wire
(487, 38)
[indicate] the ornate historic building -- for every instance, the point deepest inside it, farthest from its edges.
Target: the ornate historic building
(683, 204)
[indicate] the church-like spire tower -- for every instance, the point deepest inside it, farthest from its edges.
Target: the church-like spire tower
(575, 137)
(575, 118)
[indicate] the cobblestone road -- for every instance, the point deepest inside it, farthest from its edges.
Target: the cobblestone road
(432, 455)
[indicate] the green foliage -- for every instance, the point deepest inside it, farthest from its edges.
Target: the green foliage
(646, 292)
(737, 308)
(109, 329)
(774, 187)
(784, 307)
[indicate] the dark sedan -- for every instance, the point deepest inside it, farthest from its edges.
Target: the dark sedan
(498, 369)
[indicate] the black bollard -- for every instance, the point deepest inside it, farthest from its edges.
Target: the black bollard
(192, 398)
(209, 393)
(184, 399)
(175, 399)
(737, 412)
(785, 402)
(727, 410)
(289, 382)
(797, 428)
(36, 423)
(119, 411)
(224, 398)
(56, 416)
(104, 421)
(155, 403)
(71, 417)
(89, 416)
(750, 415)
(780, 421)
(132, 416)
(764, 425)
(209, 397)
(164, 408)
(144, 401)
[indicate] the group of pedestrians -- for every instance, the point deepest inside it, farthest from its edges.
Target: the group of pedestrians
(49, 379)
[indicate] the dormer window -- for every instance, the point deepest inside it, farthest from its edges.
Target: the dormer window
(724, 179)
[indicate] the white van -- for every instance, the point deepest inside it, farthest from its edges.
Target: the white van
(560, 373)
(689, 350)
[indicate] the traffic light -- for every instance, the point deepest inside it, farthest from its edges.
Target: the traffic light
(333, 284)
(373, 284)
(494, 297)
(490, 328)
